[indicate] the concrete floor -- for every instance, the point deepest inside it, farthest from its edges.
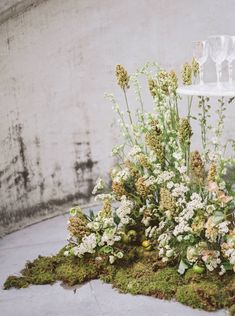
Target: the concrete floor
(92, 299)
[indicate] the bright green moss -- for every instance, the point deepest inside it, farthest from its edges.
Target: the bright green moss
(40, 271)
(43, 278)
(17, 282)
(72, 274)
(141, 274)
(141, 279)
(108, 273)
(191, 276)
(204, 295)
(163, 283)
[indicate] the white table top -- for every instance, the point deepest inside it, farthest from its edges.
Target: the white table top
(209, 89)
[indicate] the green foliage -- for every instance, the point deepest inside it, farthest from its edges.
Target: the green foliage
(141, 273)
(232, 310)
(16, 282)
(204, 295)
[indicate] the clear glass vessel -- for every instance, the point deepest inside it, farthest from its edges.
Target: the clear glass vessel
(218, 51)
(200, 53)
(231, 57)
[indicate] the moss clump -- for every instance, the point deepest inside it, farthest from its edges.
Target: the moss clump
(193, 277)
(40, 271)
(17, 282)
(232, 310)
(163, 283)
(76, 273)
(46, 270)
(205, 295)
(108, 274)
(141, 279)
(139, 273)
(229, 293)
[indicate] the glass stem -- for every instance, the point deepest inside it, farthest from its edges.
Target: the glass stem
(201, 74)
(218, 73)
(230, 72)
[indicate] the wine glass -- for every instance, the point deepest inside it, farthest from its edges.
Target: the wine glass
(218, 52)
(231, 57)
(200, 54)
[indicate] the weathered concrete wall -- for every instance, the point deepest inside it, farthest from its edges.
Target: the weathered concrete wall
(56, 60)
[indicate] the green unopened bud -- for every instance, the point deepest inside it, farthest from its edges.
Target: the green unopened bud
(122, 77)
(197, 166)
(152, 87)
(187, 74)
(185, 131)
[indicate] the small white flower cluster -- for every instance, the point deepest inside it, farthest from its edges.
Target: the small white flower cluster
(211, 259)
(99, 186)
(149, 180)
(184, 217)
(124, 211)
(114, 256)
(109, 237)
(150, 231)
(223, 228)
(164, 176)
(117, 150)
(179, 190)
(216, 229)
(192, 254)
(135, 151)
(88, 245)
(165, 250)
(182, 169)
(122, 175)
(181, 228)
(104, 196)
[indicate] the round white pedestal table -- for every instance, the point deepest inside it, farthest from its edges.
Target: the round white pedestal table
(208, 90)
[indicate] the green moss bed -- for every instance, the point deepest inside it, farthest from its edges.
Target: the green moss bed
(140, 273)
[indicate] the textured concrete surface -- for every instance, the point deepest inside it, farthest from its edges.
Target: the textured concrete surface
(56, 60)
(7, 4)
(92, 299)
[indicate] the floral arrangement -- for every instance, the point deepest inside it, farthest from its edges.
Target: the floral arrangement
(165, 198)
(166, 225)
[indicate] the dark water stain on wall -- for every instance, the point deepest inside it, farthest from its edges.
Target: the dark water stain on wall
(21, 176)
(56, 180)
(41, 180)
(15, 177)
(84, 166)
(24, 174)
(8, 221)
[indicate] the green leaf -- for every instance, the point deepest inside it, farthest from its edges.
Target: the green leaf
(182, 267)
(91, 214)
(106, 249)
(227, 265)
(218, 217)
(116, 218)
(73, 211)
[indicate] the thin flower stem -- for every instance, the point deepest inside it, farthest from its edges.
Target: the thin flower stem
(188, 158)
(176, 107)
(117, 110)
(127, 106)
